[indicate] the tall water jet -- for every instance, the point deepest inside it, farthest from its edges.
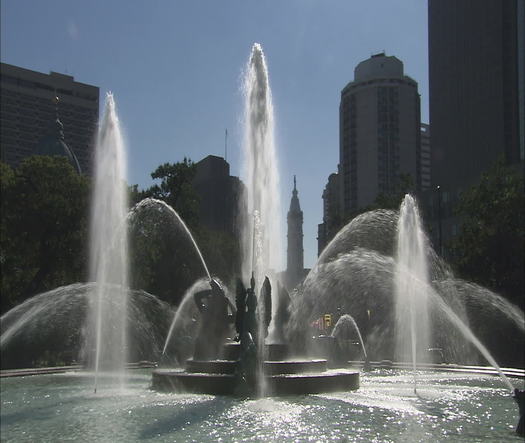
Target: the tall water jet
(261, 172)
(410, 280)
(261, 240)
(109, 249)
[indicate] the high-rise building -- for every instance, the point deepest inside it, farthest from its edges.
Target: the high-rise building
(28, 110)
(331, 213)
(476, 56)
(379, 132)
(219, 194)
(477, 84)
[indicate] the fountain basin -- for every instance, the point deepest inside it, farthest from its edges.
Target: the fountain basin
(313, 383)
(270, 367)
(273, 351)
(176, 380)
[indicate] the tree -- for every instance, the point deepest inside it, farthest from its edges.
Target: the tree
(222, 252)
(175, 188)
(165, 263)
(386, 200)
(43, 227)
(490, 246)
(392, 200)
(163, 259)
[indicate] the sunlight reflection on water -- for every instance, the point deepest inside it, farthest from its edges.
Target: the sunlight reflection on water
(447, 407)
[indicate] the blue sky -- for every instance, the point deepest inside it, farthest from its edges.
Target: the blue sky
(175, 69)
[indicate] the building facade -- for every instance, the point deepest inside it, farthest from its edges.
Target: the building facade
(379, 142)
(219, 195)
(379, 132)
(331, 213)
(29, 110)
(476, 83)
(425, 159)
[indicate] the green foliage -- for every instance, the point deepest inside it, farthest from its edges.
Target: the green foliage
(43, 227)
(392, 200)
(163, 260)
(175, 188)
(490, 246)
(222, 253)
(387, 200)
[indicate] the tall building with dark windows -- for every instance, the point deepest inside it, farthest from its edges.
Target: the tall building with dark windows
(219, 194)
(331, 213)
(476, 54)
(28, 112)
(379, 142)
(379, 132)
(425, 158)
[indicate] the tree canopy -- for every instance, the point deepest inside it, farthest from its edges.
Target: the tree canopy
(175, 188)
(164, 262)
(43, 228)
(489, 248)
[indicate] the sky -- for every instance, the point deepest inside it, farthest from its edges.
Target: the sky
(175, 70)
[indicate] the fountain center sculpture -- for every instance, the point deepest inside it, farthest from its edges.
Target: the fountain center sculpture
(214, 324)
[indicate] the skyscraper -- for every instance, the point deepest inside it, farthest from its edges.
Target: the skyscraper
(331, 213)
(219, 194)
(476, 54)
(476, 61)
(379, 132)
(379, 142)
(28, 111)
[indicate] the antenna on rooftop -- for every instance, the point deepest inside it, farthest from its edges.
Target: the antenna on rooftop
(226, 144)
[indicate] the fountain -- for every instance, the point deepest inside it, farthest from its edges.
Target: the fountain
(88, 323)
(109, 248)
(410, 275)
(232, 371)
(261, 240)
(359, 273)
(342, 332)
(379, 271)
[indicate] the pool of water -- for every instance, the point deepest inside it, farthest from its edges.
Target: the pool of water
(385, 409)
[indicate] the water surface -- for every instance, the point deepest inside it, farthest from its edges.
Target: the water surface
(448, 407)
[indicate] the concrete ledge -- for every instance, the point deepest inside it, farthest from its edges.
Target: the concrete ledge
(273, 351)
(270, 367)
(443, 367)
(170, 380)
(24, 372)
(294, 366)
(179, 381)
(302, 384)
(38, 371)
(211, 366)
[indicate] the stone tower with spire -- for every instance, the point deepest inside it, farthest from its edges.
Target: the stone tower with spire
(295, 255)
